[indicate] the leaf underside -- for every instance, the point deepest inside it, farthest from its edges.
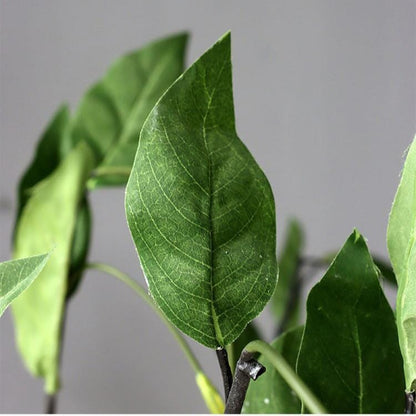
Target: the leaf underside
(17, 275)
(350, 356)
(49, 153)
(270, 393)
(200, 210)
(53, 146)
(38, 311)
(113, 110)
(109, 118)
(401, 242)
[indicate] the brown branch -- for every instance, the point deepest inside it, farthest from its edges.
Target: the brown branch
(247, 368)
(227, 376)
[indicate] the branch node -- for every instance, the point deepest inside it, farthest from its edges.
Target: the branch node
(251, 368)
(247, 368)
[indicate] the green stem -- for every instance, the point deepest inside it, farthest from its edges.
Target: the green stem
(231, 359)
(143, 294)
(121, 171)
(112, 170)
(291, 378)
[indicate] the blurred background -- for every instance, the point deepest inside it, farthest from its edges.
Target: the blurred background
(325, 99)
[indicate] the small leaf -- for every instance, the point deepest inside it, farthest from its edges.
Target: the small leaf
(211, 397)
(350, 356)
(18, 275)
(288, 274)
(47, 221)
(401, 242)
(200, 210)
(113, 111)
(270, 393)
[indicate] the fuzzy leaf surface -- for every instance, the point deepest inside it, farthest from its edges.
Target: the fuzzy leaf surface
(200, 210)
(401, 243)
(350, 356)
(270, 393)
(17, 275)
(38, 311)
(114, 109)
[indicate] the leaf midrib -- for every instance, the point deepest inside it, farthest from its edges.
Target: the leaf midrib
(217, 329)
(360, 363)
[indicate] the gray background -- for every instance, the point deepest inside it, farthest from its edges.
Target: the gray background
(325, 100)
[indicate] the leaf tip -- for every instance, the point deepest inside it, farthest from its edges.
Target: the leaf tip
(356, 235)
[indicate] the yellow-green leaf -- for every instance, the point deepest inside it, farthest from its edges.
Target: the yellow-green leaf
(52, 148)
(50, 151)
(17, 275)
(211, 397)
(401, 242)
(47, 222)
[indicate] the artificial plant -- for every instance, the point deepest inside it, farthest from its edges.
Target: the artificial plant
(202, 217)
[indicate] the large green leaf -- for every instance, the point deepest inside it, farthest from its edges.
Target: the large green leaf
(17, 275)
(270, 393)
(47, 221)
(113, 111)
(350, 355)
(288, 276)
(401, 242)
(199, 208)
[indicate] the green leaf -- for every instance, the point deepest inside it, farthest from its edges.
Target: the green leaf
(53, 146)
(200, 210)
(17, 275)
(386, 270)
(47, 221)
(350, 356)
(401, 242)
(209, 393)
(113, 111)
(270, 393)
(49, 153)
(288, 274)
(80, 246)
